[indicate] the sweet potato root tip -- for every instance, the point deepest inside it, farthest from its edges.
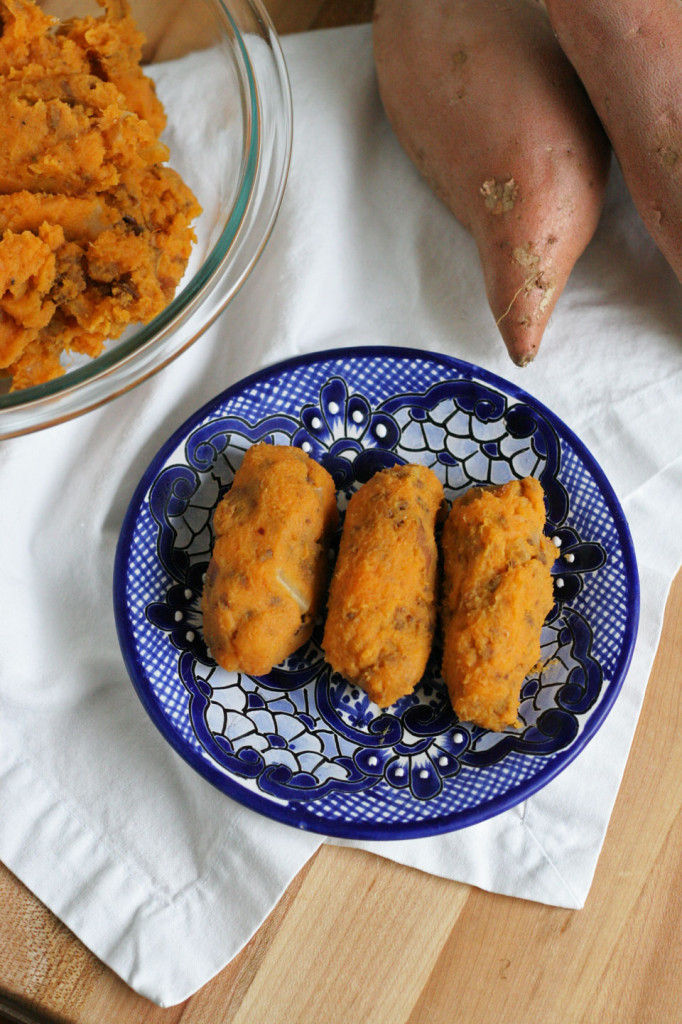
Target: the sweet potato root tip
(521, 315)
(522, 341)
(522, 359)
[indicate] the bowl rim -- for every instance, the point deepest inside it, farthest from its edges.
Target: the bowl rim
(70, 388)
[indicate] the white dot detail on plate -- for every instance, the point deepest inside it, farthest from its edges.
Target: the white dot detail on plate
(459, 737)
(399, 772)
(559, 583)
(190, 635)
(333, 408)
(556, 541)
(381, 430)
(357, 416)
(442, 761)
(372, 761)
(569, 557)
(316, 423)
(423, 774)
(188, 594)
(178, 616)
(306, 446)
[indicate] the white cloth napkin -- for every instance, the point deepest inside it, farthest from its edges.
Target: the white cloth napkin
(161, 875)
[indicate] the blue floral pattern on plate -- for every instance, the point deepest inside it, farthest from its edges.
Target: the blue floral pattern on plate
(302, 745)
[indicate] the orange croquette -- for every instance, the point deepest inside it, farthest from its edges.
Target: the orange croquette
(497, 592)
(266, 581)
(382, 600)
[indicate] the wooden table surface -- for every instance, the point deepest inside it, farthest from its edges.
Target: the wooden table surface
(358, 938)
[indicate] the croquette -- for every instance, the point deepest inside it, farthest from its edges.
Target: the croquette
(382, 602)
(497, 592)
(267, 577)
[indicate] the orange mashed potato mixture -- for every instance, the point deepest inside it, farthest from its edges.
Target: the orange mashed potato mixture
(497, 593)
(95, 230)
(382, 600)
(267, 578)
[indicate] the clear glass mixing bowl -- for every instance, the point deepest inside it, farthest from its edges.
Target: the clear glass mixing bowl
(239, 69)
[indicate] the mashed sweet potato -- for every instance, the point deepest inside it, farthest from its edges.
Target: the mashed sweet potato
(95, 229)
(497, 592)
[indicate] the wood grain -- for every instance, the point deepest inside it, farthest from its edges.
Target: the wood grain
(359, 938)
(356, 948)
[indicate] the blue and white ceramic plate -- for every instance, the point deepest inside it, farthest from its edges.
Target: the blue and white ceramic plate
(302, 745)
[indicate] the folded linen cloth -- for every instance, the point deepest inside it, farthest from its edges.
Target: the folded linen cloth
(132, 849)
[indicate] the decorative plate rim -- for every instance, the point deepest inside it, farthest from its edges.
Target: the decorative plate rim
(291, 813)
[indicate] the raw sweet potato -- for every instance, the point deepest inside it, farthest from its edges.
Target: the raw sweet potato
(490, 110)
(628, 54)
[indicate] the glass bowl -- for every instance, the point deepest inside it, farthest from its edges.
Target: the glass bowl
(237, 69)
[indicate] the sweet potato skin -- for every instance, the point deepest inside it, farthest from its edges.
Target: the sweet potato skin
(491, 112)
(628, 54)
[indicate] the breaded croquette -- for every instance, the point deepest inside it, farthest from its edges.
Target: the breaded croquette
(382, 600)
(267, 577)
(497, 593)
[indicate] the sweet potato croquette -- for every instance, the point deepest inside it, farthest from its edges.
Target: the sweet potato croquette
(497, 593)
(95, 229)
(382, 600)
(266, 581)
